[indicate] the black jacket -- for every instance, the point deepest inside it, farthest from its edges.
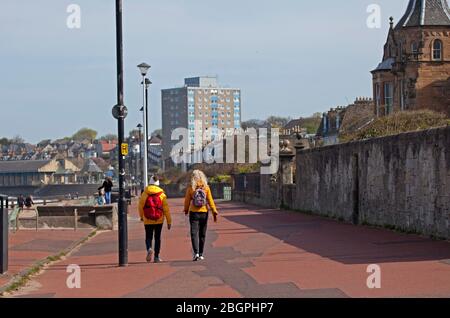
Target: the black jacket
(107, 185)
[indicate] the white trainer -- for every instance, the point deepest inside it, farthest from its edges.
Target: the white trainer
(149, 256)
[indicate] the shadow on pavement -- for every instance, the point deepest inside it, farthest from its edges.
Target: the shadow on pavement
(344, 243)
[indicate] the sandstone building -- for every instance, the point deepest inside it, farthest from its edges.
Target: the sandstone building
(345, 119)
(415, 70)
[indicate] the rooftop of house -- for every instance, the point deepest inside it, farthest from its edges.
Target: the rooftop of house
(155, 140)
(91, 167)
(347, 119)
(20, 166)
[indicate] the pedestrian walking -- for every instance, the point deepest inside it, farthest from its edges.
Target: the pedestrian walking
(21, 202)
(107, 187)
(29, 201)
(153, 210)
(196, 202)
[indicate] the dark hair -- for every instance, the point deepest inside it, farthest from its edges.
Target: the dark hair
(155, 177)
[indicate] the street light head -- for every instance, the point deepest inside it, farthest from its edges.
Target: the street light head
(142, 109)
(143, 67)
(139, 126)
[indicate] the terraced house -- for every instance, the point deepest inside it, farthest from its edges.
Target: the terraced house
(415, 70)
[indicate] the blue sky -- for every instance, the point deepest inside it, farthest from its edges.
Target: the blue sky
(289, 57)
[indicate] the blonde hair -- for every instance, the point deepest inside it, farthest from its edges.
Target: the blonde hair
(198, 177)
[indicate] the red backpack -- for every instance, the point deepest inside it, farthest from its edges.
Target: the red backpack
(153, 208)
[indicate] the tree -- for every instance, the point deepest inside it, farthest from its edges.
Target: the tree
(85, 133)
(134, 133)
(157, 133)
(278, 122)
(109, 137)
(253, 123)
(317, 115)
(17, 140)
(5, 141)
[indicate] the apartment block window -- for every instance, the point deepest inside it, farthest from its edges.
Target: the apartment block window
(388, 97)
(437, 50)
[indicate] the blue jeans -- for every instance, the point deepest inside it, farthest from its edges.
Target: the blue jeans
(108, 197)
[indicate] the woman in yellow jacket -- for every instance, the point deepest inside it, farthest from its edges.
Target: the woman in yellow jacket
(198, 198)
(154, 227)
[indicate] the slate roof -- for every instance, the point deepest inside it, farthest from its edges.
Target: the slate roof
(91, 167)
(22, 166)
(426, 13)
(386, 65)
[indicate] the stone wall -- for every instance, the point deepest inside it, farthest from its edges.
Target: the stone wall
(63, 216)
(400, 181)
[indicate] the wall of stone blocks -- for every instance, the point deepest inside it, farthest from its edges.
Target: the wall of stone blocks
(400, 181)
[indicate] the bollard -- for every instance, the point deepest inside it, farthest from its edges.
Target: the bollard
(37, 218)
(75, 215)
(3, 236)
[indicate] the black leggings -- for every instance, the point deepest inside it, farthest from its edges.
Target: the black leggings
(149, 230)
(199, 225)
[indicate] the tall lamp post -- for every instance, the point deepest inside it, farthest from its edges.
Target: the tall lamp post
(120, 112)
(143, 68)
(139, 126)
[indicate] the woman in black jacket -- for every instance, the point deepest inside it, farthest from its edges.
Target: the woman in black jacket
(107, 186)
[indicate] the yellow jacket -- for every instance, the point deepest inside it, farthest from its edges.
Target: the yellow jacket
(150, 191)
(189, 206)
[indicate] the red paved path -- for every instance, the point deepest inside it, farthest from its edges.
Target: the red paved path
(26, 247)
(255, 252)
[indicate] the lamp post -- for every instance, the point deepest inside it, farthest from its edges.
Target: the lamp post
(120, 112)
(132, 142)
(143, 68)
(139, 126)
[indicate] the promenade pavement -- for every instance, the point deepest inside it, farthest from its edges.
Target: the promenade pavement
(255, 252)
(28, 247)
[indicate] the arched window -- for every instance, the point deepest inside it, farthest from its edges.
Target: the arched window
(437, 50)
